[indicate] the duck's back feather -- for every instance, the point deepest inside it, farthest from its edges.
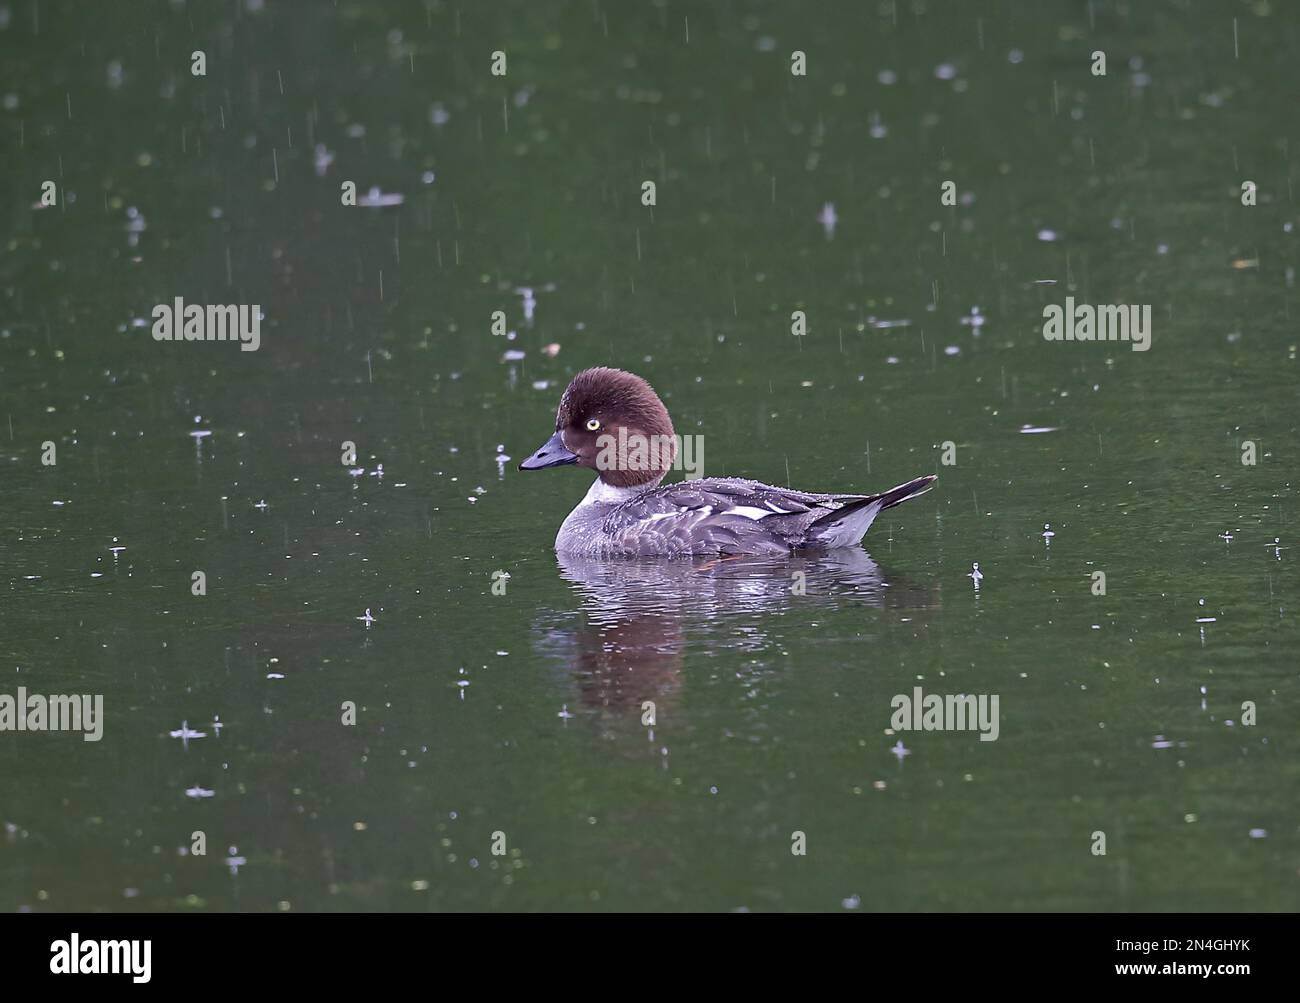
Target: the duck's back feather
(732, 515)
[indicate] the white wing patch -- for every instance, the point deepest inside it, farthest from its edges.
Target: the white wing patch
(706, 510)
(750, 512)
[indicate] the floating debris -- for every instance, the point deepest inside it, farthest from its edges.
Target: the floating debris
(135, 225)
(376, 199)
(529, 302)
(185, 733)
(234, 862)
(828, 218)
(321, 160)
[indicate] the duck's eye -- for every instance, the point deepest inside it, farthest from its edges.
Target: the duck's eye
(593, 424)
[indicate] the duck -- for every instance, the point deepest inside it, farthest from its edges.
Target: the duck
(613, 422)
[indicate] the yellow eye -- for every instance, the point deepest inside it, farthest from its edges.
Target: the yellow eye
(593, 424)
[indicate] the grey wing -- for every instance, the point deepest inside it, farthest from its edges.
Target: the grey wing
(718, 516)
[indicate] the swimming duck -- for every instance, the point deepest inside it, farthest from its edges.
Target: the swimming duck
(613, 422)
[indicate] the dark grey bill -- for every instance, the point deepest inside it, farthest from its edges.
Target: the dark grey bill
(552, 454)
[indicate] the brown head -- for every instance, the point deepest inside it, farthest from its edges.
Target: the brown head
(613, 422)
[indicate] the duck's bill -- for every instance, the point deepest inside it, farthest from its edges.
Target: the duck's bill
(551, 454)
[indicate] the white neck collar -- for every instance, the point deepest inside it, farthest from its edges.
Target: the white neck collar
(606, 494)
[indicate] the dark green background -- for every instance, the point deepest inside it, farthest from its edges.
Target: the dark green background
(772, 708)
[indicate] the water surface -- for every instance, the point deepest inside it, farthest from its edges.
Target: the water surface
(522, 713)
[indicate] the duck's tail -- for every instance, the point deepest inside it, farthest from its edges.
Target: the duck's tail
(848, 524)
(900, 494)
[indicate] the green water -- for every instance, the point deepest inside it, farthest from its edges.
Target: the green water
(522, 714)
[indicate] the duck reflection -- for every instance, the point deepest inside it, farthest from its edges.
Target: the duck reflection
(626, 644)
